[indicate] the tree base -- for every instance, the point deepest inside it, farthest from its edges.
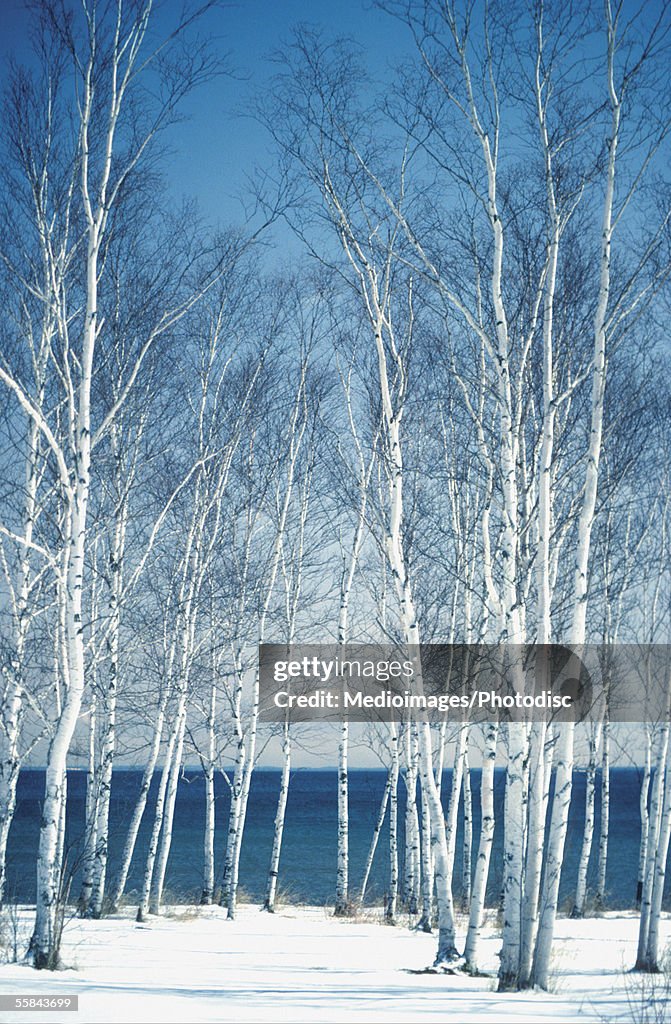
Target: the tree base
(647, 967)
(346, 909)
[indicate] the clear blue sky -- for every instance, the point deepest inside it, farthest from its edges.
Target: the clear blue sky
(217, 146)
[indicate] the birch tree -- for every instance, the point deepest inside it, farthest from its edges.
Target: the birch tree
(108, 55)
(361, 473)
(217, 432)
(608, 313)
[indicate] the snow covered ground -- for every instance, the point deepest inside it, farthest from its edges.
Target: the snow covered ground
(303, 965)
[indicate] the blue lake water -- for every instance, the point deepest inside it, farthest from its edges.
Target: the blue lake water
(307, 869)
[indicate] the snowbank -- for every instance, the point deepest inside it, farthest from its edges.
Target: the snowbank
(303, 965)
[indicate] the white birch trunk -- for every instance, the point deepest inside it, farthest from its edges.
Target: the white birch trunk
(588, 829)
(242, 812)
(108, 745)
(363, 479)
(539, 773)
(271, 889)
(382, 813)
(10, 765)
(139, 809)
(652, 959)
(467, 867)
(411, 879)
(644, 815)
(455, 793)
(342, 869)
(97, 199)
(487, 822)
(425, 922)
(43, 944)
(604, 823)
(392, 898)
(293, 584)
(192, 569)
(207, 894)
(91, 816)
(143, 908)
(236, 786)
(564, 759)
(446, 925)
(375, 290)
(657, 802)
(297, 427)
(158, 876)
(513, 857)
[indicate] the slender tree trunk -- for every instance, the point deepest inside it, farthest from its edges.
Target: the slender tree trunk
(555, 853)
(412, 840)
(139, 809)
(104, 787)
(143, 908)
(45, 939)
(652, 958)
(487, 822)
(447, 950)
(108, 745)
(382, 813)
(236, 786)
(460, 753)
(44, 943)
(645, 817)
(158, 877)
(539, 766)
(207, 894)
(392, 899)
(657, 803)
(466, 885)
(271, 888)
(539, 773)
(346, 583)
(247, 771)
(425, 922)
(342, 871)
(515, 817)
(588, 830)
(10, 766)
(564, 759)
(446, 925)
(91, 816)
(604, 823)
(297, 428)
(242, 809)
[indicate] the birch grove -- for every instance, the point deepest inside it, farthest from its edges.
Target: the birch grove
(526, 452)
(107, 55)
(435, 411)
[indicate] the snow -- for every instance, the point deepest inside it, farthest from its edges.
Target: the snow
(301, 964)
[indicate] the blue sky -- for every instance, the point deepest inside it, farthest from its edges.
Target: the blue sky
(217, 147)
